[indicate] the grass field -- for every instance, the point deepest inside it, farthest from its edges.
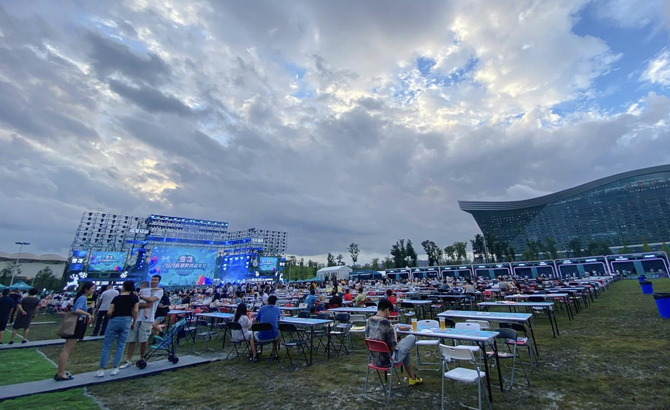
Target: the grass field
(614, 355)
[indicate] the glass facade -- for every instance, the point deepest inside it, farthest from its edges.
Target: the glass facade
(622, 209)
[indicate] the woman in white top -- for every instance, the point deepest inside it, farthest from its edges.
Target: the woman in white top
(245, 334)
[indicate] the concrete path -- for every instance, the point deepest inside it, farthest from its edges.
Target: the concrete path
(43, 343)
(88, 379)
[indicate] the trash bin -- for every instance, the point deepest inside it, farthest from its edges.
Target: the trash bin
(647, 288)
(663, 304)
(641, 278)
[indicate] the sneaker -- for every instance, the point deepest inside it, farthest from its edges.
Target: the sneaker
(100, 373)
(11, 342)
(418, 380)
(125, 365)
(115, 371)
(24, 341)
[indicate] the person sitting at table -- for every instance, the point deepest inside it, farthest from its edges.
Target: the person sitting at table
(244, 334)
(186, 300)
(238, 298)
(379, 328)
(361, 298)
(269, 314)
(468, 288)
(347, 295)
(335, 300)
(390, 297)
(503, 285)
(310, 300)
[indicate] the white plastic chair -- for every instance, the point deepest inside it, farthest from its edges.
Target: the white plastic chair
(483, 324)
(462, 374)
(426, 342)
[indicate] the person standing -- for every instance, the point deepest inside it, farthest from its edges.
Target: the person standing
(80, 308)
(142, 330)
(26, 311)
(122, 312)
(16, 297)
(104, 301)
(6, 308)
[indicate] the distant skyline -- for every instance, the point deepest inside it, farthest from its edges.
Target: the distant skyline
(339, 122)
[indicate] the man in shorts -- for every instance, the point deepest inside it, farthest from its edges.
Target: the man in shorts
(6, 308)
(145, 320)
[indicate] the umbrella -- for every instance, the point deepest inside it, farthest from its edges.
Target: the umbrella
(20, 286)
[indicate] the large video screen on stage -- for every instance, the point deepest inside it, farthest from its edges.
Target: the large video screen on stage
(267, 264)
(102, 261)
(182, 266)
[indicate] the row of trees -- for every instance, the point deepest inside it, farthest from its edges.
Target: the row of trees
(44, 279)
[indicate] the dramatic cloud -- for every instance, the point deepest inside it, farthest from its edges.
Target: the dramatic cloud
(338, 121)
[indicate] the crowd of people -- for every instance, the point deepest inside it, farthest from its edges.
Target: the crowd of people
(130, 314)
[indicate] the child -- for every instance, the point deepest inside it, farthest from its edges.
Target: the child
(145, 291)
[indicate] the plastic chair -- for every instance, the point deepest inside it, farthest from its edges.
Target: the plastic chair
(341, 332)
(358, 324)
(462, 374)
(483, 324)
(407, 310)
(525, 341)
(426, 342)
(513, 353)
(379, 347)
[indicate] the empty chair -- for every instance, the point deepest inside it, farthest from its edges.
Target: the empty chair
(512, 353)
(292, 338)
(304, 315)
(524, 341)
(462, 374)
(483, 324)
(358, 323)
(341, 332)
(431, 342)
(407, 310)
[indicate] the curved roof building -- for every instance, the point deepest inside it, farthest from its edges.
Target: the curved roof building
(620, 209)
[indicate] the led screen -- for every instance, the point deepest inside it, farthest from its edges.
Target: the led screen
(267, 264)
(182, 266)
(102, 261)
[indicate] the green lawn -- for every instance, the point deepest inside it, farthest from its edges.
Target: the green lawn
(615, 355)
(25, 365)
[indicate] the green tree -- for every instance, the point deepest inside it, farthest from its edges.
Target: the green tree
(625, 249)
(388, 263)
(479, 248)
(603, 249)
(645, 245)
(490, 247)
(499, 251)
(6, 274)
(410, 254)
(510, 254)
(575, 247)
(45, 279)
(450, 254)
(331, 259)
(375, 264)
(433, 251)
(592, 248)
(461, 252)
(354, 251)
(340, 260)
(399, 253)
(665, 249)
(550, 247)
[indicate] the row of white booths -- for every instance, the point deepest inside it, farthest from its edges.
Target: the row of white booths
(650, 264)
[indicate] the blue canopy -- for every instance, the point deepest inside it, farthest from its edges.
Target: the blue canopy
(20, 286)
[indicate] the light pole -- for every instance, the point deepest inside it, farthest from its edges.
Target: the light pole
(17, 260)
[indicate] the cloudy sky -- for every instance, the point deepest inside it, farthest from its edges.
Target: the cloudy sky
(338, 121)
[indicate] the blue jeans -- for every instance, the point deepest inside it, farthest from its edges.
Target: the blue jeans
(117, 328)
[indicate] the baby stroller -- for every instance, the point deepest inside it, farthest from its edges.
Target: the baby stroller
(164, 345)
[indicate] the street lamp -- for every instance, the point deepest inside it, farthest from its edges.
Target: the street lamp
(17, 260)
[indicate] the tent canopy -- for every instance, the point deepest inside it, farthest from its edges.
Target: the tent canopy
(20, 286)
(340, 272)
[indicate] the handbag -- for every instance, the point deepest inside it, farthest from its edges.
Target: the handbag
(68, 327)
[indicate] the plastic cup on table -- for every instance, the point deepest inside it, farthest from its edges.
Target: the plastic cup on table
(443, 325)
(414, 325)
